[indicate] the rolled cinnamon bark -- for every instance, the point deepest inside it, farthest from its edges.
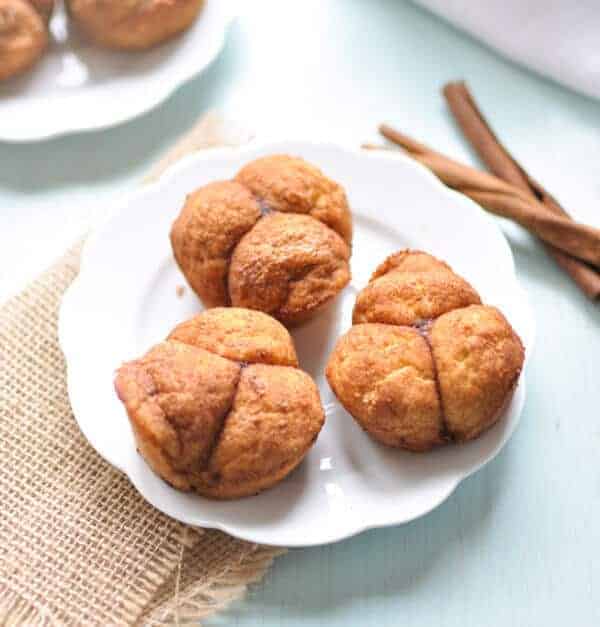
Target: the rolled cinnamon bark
(505, 200)
(499, 161)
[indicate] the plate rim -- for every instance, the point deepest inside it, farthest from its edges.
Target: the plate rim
(66, 310)
(158, 95)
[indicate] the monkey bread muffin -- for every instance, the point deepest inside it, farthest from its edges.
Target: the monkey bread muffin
(425, 363)
(275, 239)
(133, 24)
(221, 407)
(23, 34)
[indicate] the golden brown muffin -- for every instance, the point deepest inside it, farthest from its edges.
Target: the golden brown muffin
(133, 24)
(23, 34)
(226, 418)
(276, 239)
(425, 363)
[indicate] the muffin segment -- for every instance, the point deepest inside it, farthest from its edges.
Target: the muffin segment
(276, 416)
(411, 287)
(384, 376)
(239, 334)
(177, 397)
(209, 227)
(288, 266)
(479, 359)
(292, 185)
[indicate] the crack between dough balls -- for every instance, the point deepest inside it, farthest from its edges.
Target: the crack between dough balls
(152, 398)
(423, 328)
(264, 210)
(219, 433)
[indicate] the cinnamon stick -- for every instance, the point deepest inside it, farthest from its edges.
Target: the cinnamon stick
(499, 161)
(505, 200)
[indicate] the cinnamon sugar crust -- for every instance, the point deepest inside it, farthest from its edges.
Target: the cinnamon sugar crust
(275, 239)
(448, 377)
(221, 407)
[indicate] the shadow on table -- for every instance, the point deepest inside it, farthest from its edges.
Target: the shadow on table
(89, 157)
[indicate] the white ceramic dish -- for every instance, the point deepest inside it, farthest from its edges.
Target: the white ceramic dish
(125, 300)
(79, 86)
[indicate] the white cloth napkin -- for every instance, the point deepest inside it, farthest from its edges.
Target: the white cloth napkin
(558, 38)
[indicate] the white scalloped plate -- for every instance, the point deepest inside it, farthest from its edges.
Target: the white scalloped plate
(125, 300)
(79, 86)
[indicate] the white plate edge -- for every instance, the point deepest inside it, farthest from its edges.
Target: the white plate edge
(158, 97)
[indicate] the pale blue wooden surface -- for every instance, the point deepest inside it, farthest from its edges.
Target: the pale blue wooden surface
(518, 543)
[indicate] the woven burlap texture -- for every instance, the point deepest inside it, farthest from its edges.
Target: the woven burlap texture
(78, 544)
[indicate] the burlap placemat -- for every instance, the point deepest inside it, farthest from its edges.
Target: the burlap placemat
(78, 544)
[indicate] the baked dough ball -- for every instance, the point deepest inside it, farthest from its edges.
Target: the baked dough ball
(275, 239)
(288, 265)
(385, 377)
(479, 358)
(424, 362)
(239, 334)
(23, 34)
(212, 222)
(291, 185)
(221, 407)
(133, 24)
(410, 287)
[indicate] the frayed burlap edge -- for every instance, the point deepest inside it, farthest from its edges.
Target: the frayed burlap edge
(189, 597)
(15, 610)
